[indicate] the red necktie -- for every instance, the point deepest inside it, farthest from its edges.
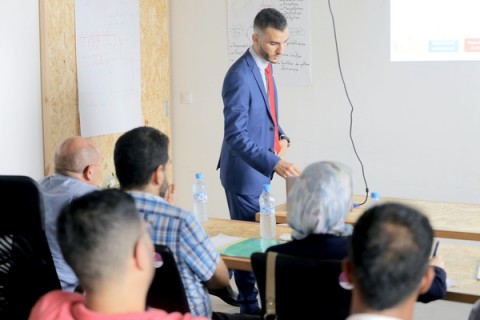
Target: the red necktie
(271, 102)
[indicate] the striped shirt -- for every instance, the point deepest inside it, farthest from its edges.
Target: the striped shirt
(194, 252)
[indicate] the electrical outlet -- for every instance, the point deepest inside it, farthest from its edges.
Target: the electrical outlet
(186, 97)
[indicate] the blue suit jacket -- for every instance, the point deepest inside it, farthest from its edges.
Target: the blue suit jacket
(247, 158)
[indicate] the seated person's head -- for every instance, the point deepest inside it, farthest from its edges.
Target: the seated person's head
(320, 200)
(139, 154)
(79, 158)
(105, 242)
(389, 256)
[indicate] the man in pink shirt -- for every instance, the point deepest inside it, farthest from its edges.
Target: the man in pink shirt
(109, 248)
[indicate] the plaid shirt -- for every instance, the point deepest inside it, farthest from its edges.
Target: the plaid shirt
(194, 252)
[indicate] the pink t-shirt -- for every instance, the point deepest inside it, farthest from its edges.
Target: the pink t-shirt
(63, 305)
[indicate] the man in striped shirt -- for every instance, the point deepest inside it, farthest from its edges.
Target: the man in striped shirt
(141, 157)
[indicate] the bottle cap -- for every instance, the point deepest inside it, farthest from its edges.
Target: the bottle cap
(266, 187)
(199, 175)
(374, 195)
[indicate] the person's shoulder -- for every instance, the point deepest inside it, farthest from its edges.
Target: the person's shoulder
(148, 203)
(60, 295)
(323, 246)
(245, 56)
(147, 199)
(281, 248)
(84, 188)
(43, 180)
(55, 304)
(185, 217)
(61, 184)
(52, 181)
(245, 62)
(440, 272)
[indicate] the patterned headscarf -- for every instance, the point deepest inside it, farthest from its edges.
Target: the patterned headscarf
(320, 200)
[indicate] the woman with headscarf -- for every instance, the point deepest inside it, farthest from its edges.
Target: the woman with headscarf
(318, 204)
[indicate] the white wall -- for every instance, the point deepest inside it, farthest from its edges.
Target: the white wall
(21, 141)
(416, 125)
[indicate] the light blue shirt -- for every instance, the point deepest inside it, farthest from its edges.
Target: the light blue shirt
(194, 252)
(57, 191)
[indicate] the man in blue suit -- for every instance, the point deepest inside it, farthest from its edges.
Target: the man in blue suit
(253, 143)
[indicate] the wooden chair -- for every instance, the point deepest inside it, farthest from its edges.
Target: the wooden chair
(26, 266)
(295, 278)
(167, 291)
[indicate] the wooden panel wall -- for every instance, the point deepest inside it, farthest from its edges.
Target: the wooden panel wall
(59, 76)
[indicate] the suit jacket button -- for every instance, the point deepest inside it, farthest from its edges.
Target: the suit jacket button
(270, 149)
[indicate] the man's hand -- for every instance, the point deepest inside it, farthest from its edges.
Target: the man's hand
(283, 148)
(437, 261)
(171, 194)
(286, 169)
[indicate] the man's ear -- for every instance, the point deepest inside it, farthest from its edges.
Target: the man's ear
(254, 37)
(158, 175)
(87, 173)
(427, 279)
(139, 254)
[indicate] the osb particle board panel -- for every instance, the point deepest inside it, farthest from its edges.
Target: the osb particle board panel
(59, 76)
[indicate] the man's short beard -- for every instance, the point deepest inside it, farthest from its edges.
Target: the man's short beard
(264, 54)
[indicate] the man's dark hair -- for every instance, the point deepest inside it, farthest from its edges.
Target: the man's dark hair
(97, 233)
(389, 250)
(137, 155)
(269, 17)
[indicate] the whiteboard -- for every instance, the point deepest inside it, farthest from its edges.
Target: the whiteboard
(108, 66)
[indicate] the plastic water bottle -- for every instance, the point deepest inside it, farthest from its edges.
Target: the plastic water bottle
(374, 199)
(200, 197)
(267, 213)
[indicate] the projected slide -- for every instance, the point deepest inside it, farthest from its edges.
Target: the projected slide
(434, 30)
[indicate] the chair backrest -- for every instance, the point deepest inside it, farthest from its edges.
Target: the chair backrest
(167, 291)
(475, 312)
(26, 266)
(304, 287)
